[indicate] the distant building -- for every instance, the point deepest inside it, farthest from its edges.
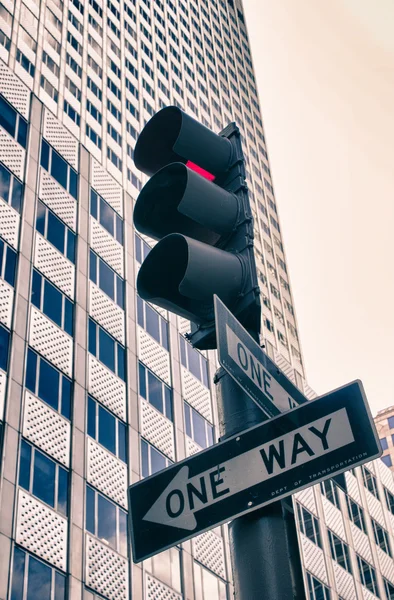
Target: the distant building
(384, 421)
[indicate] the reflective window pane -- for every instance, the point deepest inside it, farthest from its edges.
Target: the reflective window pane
(4, 346)
(71, 245)
(107, 430)
(188, 425)
(93, 204)
(39, 580)
(164, 334)
(7, 117)
(10, 266)
(93, 267)
(73, 186)
(106, 521)
(68, 316)
(121, 362)
(40, 218)
(22, 132)
(194, 361)
(144, 459)
(106, 217)
(52, 303)
(140, 311)
(89, 509)
(199, 429)
(92, 338)
(168, 402)
(36, 289)
(31, 370)
(44, 155)
(107, 283)
(24, 465)
(91, 422)
(122, 532)
(106, 349)
(5, 182)
(155, 392)
(158, 461)
(17, 190)
(18, 572)
(44, 478)
(62, 493)
(119, 229)
(59, 169)
(142, 380)
(120, 292)
(60, 586)
(48, 387)
(55, 233)
(152, 322)
(182, 345)
(122, 452)
(66, 397)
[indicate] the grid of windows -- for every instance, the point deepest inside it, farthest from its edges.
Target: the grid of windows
(60, 170)
(33, 579)
(48, 383)
(52, 302)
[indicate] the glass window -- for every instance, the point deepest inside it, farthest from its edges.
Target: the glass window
(106, 520)
(33, 580)
(152, 322)
(339, 551)
(48, 383)
(7, 263)
(207, 585)
(106, 217)
(383, 443)
(59, 169)
(317, 590)
(309, 525)
(55, 232)
(5, 183)
(152, 460)
(166, 567)
(370, 481)
(193, 360)
(7, 117)
(43, 477)
(387, 460)
(4, 347)
(106, 279)
(107, 429)
(356, 514)
(368, 576)
(106, 349)
(53, 303)
(155, 391)
(390, 422)
(329, 489)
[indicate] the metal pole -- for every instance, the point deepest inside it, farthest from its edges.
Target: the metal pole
(264, 548)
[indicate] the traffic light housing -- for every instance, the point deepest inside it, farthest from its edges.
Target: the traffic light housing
(196, 205)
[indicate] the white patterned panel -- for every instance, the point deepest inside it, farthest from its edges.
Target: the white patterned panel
(307, 498)
(313, 558)
(208, 549)
(367, 595)
(61, 139)
(344, 582)
(285, 366)
(375, 508)
(106, 246)
(183, 325)
(106, 312)
(157, 429)
(58, 200)
(106, 571)
(333, 518)
(107, 388)
(107, 473)
(51, 341)
(6, 303)
(352, 487)
(309, 392)
(14, 90)
(154, 356)
(361, 543)
(3, 383)
(46, 429)
(12, 154)
(156, 590)
(54, 265)
(386, 475)
(386, 564)
(41, 530)
(107, 187)
(9, 223)
(196, 394)
(191, 446)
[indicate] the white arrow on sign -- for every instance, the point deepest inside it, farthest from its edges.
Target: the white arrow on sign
(183, 497)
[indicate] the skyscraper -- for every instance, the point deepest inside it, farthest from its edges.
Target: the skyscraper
(97, 387)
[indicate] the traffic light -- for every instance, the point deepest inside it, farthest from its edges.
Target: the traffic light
(196, 204)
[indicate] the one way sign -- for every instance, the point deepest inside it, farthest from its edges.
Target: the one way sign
(297, 449)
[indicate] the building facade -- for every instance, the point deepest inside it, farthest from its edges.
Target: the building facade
(97, 387)
(384, 422)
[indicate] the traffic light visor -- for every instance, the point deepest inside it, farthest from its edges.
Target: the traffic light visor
(173, 136)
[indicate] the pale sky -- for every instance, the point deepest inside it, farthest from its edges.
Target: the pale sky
(325, 74)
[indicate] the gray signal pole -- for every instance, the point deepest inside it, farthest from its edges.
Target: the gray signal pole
(264, 549)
